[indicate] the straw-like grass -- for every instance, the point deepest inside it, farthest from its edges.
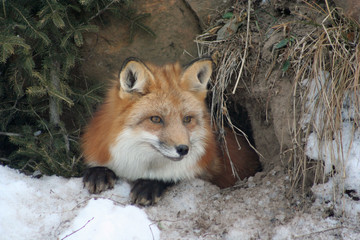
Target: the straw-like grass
(229, 57)
(326, 63)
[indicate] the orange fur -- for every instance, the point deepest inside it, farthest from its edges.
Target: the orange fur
(245, 161)
(171, 93)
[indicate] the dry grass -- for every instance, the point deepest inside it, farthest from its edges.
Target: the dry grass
(327, 71)
(229, 57)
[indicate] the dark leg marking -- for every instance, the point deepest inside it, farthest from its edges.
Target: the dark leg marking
(99, 179)
(147, 192)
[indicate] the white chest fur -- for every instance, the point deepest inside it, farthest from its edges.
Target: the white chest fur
(133, 156)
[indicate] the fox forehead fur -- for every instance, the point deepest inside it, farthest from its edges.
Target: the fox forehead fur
(154, 123)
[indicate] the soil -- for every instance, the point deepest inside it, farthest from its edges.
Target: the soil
(210, 213)
(259, 208)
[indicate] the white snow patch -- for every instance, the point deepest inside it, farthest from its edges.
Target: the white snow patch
(102, 219)
(306, 226)
(44, 208)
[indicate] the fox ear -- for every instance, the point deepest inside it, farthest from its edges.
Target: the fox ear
(197, 75)
(134, 77)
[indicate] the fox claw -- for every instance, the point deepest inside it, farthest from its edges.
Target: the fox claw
(99, 179)
(147, 192)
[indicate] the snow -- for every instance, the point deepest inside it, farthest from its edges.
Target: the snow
(58, 208)
(331, 152)
(55, 207)
(102, 219)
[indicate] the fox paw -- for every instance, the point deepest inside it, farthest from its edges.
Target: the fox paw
(147, 192)
(99, 179)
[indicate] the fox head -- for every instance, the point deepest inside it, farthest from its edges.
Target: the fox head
(136, 78)
(162, 118)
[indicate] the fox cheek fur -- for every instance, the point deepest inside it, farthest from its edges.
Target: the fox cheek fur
(154, 129)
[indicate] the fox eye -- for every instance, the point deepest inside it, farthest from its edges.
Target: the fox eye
(156, 119)
(187, 119)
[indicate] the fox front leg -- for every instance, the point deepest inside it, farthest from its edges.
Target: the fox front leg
(99, 179)
(147, 192)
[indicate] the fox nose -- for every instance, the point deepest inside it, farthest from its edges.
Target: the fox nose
(182, 149)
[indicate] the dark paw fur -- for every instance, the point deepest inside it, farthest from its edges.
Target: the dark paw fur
(99, 179)
(147, 192)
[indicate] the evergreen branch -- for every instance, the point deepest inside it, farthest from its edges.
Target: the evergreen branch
(14, 40)
(102, 10)
(52, 10)
(78, 38)
(68, 20)
(39, 76)
(29, 64)
(87, 28)
(134, 22)
(66, 88)
(69, 61)
(7, 44)
(57, 94)
(40, 34)
(57, 20)
(65, 39)
(43, 12)
(36, 91)
(146, 29)
(9, 134)
(4, 159)
(95, 88)
(76, 8)
(54, 14)
(3, 2)
(50, 31)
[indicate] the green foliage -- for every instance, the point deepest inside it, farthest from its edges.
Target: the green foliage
(42, 106)
(286, 65)
(45, 150)
(284, 42)
(135, 23)
(228, 15)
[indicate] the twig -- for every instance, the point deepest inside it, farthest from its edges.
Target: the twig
(4, 159)
(3, 5)
(78, 229)
(9, 134)
(102, 10)
(152, 234)
(29, 24)
(246, 48)
(317, 232)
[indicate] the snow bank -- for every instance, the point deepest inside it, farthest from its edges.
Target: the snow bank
(102, 219)
(58, 208)
(54, 207)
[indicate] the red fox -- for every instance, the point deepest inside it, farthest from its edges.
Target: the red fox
(154, 129)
